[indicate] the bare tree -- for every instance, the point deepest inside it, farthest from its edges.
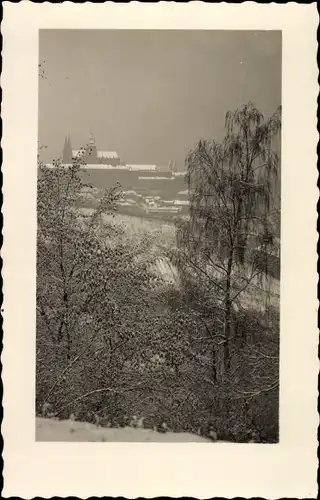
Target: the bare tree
(232, 228)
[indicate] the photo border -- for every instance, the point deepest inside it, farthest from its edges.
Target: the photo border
(152, 469)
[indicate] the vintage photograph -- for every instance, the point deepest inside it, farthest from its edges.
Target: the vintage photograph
(158, 236)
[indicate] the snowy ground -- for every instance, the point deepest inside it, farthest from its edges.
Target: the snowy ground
(67, 430)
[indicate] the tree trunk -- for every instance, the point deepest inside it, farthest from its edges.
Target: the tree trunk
(214, 363)
(227, 313)
(69, 340)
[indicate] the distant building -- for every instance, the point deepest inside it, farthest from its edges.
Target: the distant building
(181, 202)
(67, 151)
(92, 156)
(179, 174)
(96, 158)
(142, 167)
(172, 166)
(163, 168)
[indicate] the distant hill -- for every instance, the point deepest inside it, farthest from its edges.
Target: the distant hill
(145, 183)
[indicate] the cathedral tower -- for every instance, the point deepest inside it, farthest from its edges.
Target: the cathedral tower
(67, 151)
(92, 151)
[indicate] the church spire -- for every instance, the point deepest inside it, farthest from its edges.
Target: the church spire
(67, 150)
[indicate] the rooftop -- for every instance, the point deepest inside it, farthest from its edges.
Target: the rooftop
(107, 154)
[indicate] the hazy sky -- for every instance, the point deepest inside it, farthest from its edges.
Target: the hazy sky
(150, 95)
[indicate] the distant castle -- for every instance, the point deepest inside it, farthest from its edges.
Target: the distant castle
(92, 155)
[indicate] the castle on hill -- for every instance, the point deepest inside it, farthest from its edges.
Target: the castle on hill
(92, 155)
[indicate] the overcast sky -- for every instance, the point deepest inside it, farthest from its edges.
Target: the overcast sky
(150, 95)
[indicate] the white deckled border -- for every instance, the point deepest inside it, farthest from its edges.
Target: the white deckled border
(149, 470)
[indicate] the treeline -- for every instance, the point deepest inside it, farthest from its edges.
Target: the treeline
(117, 345)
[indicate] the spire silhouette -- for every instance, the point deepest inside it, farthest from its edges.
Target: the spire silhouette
(67, 150)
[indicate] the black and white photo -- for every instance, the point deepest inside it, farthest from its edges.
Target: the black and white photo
(159, 250)
(158, 243)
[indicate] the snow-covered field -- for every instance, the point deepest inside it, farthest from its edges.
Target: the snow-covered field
(68, 430)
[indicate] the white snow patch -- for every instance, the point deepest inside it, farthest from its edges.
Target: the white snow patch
(68, 430)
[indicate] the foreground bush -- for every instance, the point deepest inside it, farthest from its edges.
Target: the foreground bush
(118, 346)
